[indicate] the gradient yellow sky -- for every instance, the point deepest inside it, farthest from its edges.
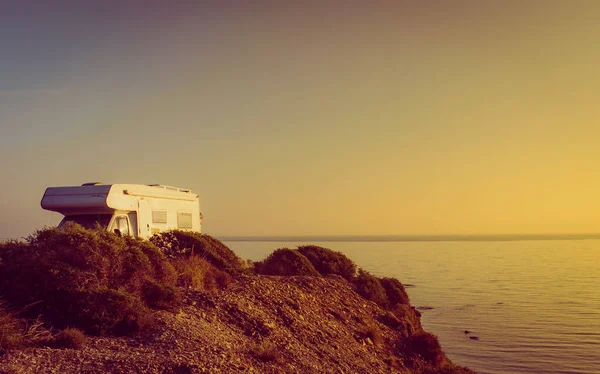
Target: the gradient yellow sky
(474, 118)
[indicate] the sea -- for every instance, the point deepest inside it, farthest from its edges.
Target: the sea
(497, 305)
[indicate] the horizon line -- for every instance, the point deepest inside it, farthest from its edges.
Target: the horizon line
(407, 238)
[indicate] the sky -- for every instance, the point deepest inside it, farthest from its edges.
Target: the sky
(310, 118)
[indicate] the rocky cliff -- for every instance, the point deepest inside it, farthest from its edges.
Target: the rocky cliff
(263, 324)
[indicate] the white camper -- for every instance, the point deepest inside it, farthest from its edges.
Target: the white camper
(127, 209)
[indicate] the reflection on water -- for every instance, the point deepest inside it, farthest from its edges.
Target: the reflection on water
(533, 305)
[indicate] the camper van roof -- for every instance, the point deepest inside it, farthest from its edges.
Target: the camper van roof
(161, 186)
(105, 198)
(171, 188)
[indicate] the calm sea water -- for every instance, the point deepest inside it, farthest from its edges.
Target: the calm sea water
(535, 305)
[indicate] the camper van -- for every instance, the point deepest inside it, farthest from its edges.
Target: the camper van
(126, 209)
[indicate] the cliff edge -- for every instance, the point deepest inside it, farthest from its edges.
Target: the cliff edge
(251, 323)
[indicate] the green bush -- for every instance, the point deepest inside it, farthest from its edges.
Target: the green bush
(326, 261)
(285, 261)
(178, 243)
(90, 279)
(369, 287)
(395, 292)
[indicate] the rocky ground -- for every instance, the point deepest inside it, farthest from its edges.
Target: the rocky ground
(262, 324)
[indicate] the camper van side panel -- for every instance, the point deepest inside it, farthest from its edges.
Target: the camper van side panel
(144, 219)
(170, 214)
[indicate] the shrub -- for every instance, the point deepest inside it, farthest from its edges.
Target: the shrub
(390, 320)
(369, 287)
(107, 311)
(161, 269)
(395, 292)
(70, 338)
(407, 317)
(216, 279)
(326, 261)
(90, 279)
(285, 261)
(11, 334)
(394, 363)
(160, 296)
(196, 273)
(427, 346)
(265, 351)
(191, 271)
(177, 243)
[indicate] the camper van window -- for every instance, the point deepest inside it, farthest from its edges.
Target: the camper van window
(120, 225)
(123, 225)
(159, 216)
(184, 220)
(88, 221)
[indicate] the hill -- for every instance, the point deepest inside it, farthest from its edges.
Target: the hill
(247, 322)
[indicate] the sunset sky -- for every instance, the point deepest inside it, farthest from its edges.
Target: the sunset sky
(425, 117)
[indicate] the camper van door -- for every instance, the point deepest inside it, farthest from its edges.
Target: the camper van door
(144, 215)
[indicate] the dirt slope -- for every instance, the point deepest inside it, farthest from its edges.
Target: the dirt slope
(262, 324)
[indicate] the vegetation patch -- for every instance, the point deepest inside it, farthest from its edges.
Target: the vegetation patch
(425, 345)
(160, 296)
(408, 318)
(177, 243)
(11, 333)
(327, 261)
(196, 273)
(70, 338)
(90, 279)
(285, 261)
(265, 351)
(369, 287)
(395, 292)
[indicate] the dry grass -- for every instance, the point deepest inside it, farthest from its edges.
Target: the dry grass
(36, 332)
(19, 333)
(70, 338)
(14, 369)
(11, 333)
(196, 273)
(191, 271)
